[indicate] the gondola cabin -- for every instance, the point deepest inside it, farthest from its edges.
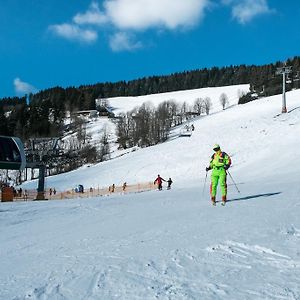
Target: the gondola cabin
(12, 154)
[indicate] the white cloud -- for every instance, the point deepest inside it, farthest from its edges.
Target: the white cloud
(123, 41)
(92, 16)
(22, 88)
(144, 14)
(129, 16)
(245, 10)
(74, 32)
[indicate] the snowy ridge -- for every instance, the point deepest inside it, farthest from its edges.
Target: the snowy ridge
(233, 92)
(170, 244)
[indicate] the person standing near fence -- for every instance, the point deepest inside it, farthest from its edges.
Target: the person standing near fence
(159, 181)
(25, 195)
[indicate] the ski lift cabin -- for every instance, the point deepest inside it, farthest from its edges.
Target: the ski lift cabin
(12, 154)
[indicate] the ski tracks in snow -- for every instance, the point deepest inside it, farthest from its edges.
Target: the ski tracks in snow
(177, 276)
(227, 270)
(260, 265)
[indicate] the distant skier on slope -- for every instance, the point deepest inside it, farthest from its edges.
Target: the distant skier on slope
(159, 181)
(169, 183)
(219, 163)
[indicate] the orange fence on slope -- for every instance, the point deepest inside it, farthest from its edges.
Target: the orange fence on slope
(29, 195)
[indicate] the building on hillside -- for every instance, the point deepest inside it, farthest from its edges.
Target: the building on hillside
(87, 113)
(103, 108)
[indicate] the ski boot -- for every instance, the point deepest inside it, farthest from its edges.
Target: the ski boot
(213, 200)
(224, 200)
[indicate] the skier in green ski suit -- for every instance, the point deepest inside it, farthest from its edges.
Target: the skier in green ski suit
(219, 163)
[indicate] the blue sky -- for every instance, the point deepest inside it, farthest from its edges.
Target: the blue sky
(69, 43)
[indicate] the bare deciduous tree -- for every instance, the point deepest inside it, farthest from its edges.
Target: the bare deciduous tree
(145, 125)
(104, 153)
(173, 111)
(224, 100)
(125, 129)
(207, 105)
(198, 106)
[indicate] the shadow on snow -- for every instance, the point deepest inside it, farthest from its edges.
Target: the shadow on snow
(254, 196)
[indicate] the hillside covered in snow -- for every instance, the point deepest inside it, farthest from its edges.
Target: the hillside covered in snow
(96, 175)
(170, 244)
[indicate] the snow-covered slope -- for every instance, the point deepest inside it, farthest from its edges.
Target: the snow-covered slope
(170, 244)
(96, 127)
(156, 245)
(233, 92)
(143, 166)
(252, 134)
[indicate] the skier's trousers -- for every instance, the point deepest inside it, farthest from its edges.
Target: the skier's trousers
(218, 175)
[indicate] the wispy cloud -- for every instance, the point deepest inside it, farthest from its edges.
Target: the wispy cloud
(92, 16)
(74, 32)
(123, 41)
(22, 88)
(246, 10)
(130, 16)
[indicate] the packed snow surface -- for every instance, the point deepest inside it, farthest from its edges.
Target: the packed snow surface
(170, 244)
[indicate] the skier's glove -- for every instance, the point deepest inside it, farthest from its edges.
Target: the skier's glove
(207, 169)
(226, 167)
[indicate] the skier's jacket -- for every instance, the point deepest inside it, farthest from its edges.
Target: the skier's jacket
(158, 180)
(220, 160)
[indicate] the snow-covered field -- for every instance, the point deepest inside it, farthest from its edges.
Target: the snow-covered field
(170, 244)
(124, 104)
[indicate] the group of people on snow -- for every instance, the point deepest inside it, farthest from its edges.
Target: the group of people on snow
(112, 187)
(159, 181)
(52, 191)
(79, 189)
(219, 163)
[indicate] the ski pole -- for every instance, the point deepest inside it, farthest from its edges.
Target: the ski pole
(204, 184)
(233, 182)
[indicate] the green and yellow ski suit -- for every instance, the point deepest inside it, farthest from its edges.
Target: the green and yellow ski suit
(220, 162)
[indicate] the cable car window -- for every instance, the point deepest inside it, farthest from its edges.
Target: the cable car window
(9, 151)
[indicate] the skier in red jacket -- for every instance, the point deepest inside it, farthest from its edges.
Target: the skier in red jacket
(159, 181)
